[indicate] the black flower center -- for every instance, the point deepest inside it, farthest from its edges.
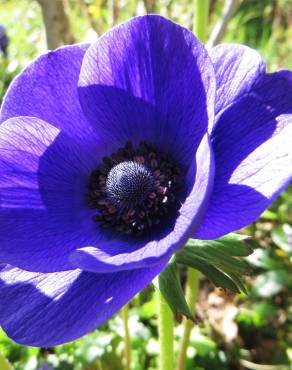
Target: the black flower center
(134, 190)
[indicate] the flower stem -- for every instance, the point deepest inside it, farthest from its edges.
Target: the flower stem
(125, 315)
(201, 12)
(192, 289)
(165, 329)
(4, 364)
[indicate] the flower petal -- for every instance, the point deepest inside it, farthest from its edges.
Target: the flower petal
(252, 148)
(149, 79)
(49, 309)
(120, 255)
(43, 213)
(237, 68)
(47, 89)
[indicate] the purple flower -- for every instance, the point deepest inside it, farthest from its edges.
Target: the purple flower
(3, 40)
(113, 155)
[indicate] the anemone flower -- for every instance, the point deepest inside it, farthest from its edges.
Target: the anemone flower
(113, 155)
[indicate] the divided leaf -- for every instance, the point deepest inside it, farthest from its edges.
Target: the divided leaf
(217, 277)
(170, 287)
(220, 260)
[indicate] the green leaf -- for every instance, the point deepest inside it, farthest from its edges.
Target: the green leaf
(170, 287)
(238, 281)
(234, 245)
(218, 278)
(219, 260)
(214, 254)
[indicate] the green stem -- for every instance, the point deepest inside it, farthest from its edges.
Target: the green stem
(201, 12)
(4, 363)
(125, 315)
(166, 323)
(165, 329)
(192, 290)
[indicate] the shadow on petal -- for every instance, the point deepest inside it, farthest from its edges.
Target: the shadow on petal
(120, 117)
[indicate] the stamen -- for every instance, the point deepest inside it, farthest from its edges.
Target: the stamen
(134, 190)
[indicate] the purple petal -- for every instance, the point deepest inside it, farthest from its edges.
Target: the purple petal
(120, 255)
(43, 212)
(49, 309)
(237, 67)
(149, 79)
(47, 89)
(252, 149)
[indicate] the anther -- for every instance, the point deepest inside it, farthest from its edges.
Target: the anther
(134, 190)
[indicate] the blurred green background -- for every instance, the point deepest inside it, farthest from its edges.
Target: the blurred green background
(235, 332)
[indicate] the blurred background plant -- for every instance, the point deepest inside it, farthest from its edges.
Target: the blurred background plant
(234, 332)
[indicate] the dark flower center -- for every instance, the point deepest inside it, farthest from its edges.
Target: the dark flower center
(134, 190)
(128, 184)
